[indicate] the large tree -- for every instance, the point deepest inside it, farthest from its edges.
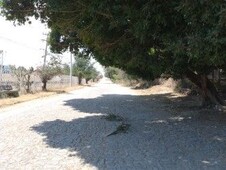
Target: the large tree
(145, 38)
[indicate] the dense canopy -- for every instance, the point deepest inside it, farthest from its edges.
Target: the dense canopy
(145, 37)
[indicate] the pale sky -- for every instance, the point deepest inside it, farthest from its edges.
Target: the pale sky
(24, 45)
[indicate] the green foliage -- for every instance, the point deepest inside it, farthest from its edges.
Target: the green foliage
(144, 38)
(8, 94)
(83, 68)
(112, 72)
(119, 76)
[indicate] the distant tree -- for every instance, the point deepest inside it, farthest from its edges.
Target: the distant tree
(83, 68)
(91, 74)
(119, 76)
(51, 69)
(23, 77)
(111, 72)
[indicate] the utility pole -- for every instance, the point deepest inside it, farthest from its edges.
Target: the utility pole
(1, 68)
(71, 69)
(46, 52)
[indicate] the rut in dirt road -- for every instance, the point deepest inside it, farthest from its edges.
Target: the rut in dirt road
(70, 131)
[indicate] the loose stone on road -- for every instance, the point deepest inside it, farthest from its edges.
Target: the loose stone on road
(68, 131)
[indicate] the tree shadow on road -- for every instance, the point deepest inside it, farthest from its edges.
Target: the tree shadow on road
(161, 136)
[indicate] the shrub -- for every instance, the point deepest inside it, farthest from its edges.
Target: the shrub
(7, 94)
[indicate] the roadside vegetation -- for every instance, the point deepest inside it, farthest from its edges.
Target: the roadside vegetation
(183, 39)
(184, 86)
(11, 100)
(83, 69)
(49, 70)
(119, 76)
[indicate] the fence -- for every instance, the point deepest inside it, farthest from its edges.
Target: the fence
(60, 81)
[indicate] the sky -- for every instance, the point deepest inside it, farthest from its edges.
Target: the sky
(24, 45)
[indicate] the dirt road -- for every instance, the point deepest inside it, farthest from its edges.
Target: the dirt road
(69, 131)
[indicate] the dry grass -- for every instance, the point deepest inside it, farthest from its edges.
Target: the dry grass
(165, 86)
(162, 86)
(28, 97)
(158, 89)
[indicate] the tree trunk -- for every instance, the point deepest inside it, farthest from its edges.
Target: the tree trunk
(80, 79)
(208, 91)
(87, 80)
(28, 84)
(44, 85)
(207, 97)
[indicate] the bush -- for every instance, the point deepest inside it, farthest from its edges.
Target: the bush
(7, 94)
(119, 76)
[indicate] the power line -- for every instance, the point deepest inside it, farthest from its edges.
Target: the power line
(18, 43)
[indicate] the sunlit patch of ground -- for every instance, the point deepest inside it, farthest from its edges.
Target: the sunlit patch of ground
(27, 97)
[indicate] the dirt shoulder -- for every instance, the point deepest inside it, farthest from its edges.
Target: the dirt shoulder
(27, 97)
(180, 104)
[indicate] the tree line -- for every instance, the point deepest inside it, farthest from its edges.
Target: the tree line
(146, 38)
(82, 68)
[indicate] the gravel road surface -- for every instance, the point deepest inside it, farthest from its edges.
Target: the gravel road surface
(69, 131)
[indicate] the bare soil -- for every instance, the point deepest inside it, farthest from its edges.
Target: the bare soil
(27, 97)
